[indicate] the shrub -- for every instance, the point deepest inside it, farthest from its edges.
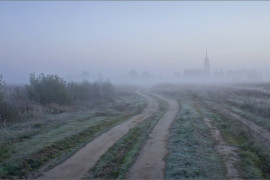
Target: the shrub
(7, 111)
(79, 91)
(1, 89)
(47, 89)
(56, 109)
(107, 91)
(96, 94)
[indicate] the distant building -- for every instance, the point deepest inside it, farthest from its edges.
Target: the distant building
(198, 73)
(206, 64)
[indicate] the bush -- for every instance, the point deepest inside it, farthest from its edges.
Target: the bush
(51, 89)
(51, 92)
(107, 91)
(7, 111)
(1, 90)
(79, 91)
(47, 89)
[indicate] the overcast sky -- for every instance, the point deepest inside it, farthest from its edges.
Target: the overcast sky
(115, 37)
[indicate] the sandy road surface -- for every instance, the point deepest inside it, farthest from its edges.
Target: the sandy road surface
(150, 163)
(83, 160)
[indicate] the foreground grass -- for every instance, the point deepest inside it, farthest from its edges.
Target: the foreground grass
(192, 153)
(25, 156)
(114, 164)
(251, 116)
(254, 159)
(250, 104)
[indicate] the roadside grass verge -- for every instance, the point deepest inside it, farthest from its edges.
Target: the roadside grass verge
(191, 148)
(13, 137)
(26, 157)
(257, 118)
(252, 105)
(114, 164)
(25, 129)
(21, 166)
(254, 159)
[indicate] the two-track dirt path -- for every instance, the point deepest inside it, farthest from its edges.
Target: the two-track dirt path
(83, 160)
(150, 163)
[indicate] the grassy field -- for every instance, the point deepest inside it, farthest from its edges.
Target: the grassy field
(30, 147)
(27, 147)
(192, 152)
(252, 103)
(191, 147)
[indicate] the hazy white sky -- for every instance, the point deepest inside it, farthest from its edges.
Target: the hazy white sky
(115, 37)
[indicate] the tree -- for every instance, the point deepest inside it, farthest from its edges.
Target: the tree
(1, 89)
(95, 92)
(46, 89)
(7, 112)
(1, 97)
(79, 91)
(107, 91)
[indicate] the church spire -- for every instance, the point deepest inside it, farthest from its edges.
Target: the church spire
(206, 63)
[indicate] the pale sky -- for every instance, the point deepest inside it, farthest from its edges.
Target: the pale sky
(115, 37)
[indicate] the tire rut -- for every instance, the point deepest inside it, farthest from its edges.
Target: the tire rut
(150, 163)
(227, 152)
(84, 159)
(258, 132)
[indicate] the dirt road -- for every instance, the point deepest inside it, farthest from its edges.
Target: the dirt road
(83, 160)
(150, 163)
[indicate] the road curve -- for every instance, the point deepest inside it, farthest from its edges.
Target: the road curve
(150, 163)
(84, 159)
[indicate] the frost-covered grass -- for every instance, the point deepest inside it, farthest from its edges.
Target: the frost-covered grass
(25, 147)
(191, 148)
(259, 120)
(254, 161)
(249, 100)
(114, 164)
(253, 105)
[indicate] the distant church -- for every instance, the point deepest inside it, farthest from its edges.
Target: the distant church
(199, 72)
(206, 64)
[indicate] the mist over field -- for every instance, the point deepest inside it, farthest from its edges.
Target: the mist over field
(135, 42)
(135, 90)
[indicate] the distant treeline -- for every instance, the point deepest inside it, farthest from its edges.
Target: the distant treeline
(50, 89)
